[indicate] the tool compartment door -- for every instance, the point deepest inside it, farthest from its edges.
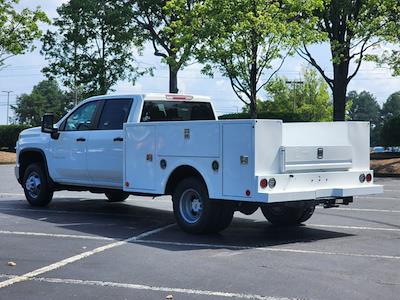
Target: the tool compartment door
(238, 158)
(139, 158)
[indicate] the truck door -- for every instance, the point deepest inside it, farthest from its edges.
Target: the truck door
(68, 156)
(105, 145)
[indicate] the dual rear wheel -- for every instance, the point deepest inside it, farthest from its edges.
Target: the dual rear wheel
(196, 213)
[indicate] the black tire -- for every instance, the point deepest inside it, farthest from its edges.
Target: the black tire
(116, 196)
(195, 212)
(36, 185)
(286, 215)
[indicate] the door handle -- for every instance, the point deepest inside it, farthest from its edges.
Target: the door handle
(118, 139)
(81, 139)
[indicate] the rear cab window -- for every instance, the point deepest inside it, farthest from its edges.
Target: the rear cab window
(156, 111)
(114, 114)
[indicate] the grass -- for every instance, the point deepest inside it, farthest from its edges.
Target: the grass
(7, 158)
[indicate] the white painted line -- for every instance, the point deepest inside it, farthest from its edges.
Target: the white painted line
(78, 257)
(56, 235)
(354, 227)
(12, 194)
(362, 209)
(271, 249)
(378, 198)
(160, 289)
(52, 211)
(151, 288)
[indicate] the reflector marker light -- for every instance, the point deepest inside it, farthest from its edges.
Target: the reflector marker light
(272, 183)
(362, 178)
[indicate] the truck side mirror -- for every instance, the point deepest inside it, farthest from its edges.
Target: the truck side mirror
(48, 123)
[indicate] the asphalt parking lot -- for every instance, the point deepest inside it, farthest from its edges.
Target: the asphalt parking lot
(84, 248)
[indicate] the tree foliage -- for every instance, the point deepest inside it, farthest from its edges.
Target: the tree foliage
(172, 27)
(364, 107)
(92, 46)
(18, 29)
(245, 38)
(308, 98)
(391, 132)
(46, 97)
(351, 27)
(391, 108)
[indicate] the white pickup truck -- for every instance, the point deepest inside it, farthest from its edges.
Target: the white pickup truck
(168, 144)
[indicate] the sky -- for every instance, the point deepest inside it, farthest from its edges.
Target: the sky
(24, 72)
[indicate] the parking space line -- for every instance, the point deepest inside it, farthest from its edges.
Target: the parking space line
(134, 286)
(78, 257)
(354, 227)
(56, 235)
(44, 210)
(379, 198)
(270, 249)
(362, 209)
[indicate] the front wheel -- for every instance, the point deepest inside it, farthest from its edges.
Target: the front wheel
(195, 212)
(36, 187)
(286, 215)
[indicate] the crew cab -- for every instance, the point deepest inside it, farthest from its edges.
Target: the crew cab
(170, 144)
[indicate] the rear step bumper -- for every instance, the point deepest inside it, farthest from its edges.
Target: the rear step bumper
(323, 193)
(314, 186)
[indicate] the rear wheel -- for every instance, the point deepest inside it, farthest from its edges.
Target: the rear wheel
(36, 187)
(286, 215)
(195, 212)
(116, 196)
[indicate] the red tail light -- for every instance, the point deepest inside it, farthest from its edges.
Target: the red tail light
(263, 183)
(368, 177)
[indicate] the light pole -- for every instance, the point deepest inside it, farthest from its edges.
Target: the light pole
(8, 102)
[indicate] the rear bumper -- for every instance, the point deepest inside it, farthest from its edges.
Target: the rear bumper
(320, 185)
(323, 193)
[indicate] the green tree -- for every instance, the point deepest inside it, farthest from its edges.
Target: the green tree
(351, 27)
(364, 107)
(172, 28)
(391, 132)
(391, 108)
(309, 98)
(46, 97)
(245, 38)
(18, 29)
(91, 48)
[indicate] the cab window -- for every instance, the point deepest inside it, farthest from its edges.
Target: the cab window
(115, 113)
(154, 111)
(82, 118)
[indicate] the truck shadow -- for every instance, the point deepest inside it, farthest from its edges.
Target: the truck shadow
(124, 220)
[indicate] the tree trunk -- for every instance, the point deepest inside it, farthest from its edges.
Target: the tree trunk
(340, 73)
(173, 80)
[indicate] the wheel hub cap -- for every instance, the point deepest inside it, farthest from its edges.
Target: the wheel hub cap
(191, 206)
(32, 184)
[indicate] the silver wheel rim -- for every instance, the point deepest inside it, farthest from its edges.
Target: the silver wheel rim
(191, 206)
(32, 185)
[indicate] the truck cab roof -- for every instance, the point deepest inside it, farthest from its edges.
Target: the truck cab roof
(156, 96)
